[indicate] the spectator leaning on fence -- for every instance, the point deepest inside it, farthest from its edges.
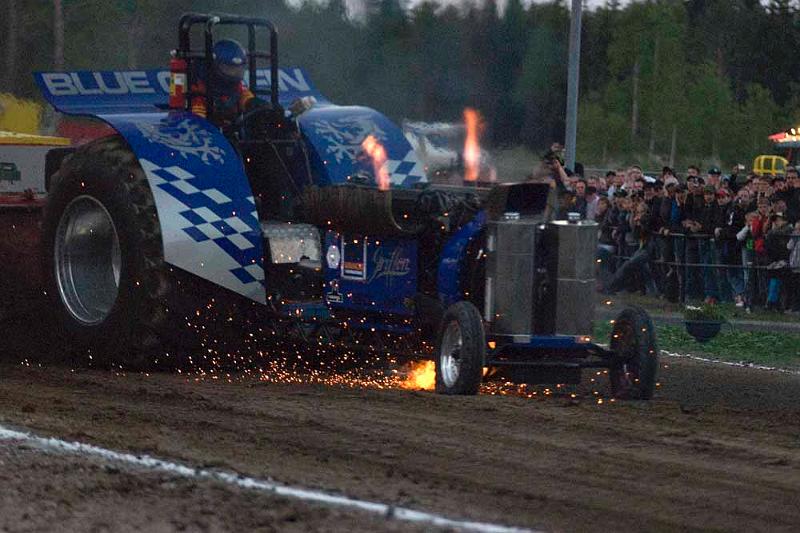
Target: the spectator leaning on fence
(729, 249)
(667, 207)
(776, 244)
(706, 218)
(793, 277)
(606, 247)
(639, 263)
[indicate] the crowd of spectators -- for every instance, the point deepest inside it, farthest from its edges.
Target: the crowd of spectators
(711, 237)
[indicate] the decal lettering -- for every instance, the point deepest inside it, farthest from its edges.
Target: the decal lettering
(292, 79)
(389, 265)
(59, 84)
(119, 88)
(138, 83)
(115, 83)
(106, 83)
(163, 80)
(297, 83)
(82, 89)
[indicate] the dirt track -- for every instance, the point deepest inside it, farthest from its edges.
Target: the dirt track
(718, 448)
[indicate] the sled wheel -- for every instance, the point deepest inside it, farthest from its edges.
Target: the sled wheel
(460, 350)
(635, 363)
(103, 257)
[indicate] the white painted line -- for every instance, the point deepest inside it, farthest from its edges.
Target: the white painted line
(230, 478)
(741, 364)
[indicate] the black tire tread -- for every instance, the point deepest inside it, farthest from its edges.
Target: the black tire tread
(473, 349)
(646, 355)
(152, 310)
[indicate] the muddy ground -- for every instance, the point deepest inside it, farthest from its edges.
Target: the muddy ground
(718, 447)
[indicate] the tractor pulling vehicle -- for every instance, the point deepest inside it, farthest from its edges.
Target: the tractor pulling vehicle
(297, 212)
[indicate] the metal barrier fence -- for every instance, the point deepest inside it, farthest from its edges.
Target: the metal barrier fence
(685, 266)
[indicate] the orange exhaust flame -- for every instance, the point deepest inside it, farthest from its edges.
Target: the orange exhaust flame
(472, 148)
(421, 376)
(375, 150)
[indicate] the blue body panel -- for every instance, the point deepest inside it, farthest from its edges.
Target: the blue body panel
(335, 133)
(372, 275)
(448, 280)
(97, 93)
(204, 199)
(208, 218)
(549, 342)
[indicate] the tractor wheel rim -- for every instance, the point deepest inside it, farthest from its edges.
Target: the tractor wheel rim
(450, 354)
(88, 260)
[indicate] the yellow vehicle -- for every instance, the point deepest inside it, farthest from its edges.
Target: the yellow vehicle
(770, 165)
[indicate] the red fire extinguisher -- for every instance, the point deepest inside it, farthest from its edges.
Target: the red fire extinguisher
(177, 82)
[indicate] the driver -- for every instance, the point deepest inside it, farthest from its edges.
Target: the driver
(229, 95)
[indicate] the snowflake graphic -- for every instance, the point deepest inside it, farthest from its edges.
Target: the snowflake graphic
(345, 135)
(186, 138)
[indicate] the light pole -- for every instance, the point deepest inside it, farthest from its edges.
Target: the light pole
(573, 79)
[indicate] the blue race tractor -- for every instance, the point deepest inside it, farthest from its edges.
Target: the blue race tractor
(283, 209)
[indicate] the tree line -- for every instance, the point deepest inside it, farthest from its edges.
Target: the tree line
(662, 81)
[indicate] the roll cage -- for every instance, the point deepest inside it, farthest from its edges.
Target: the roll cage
(205, 54)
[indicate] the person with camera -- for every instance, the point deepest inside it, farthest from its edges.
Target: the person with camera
(551, 170)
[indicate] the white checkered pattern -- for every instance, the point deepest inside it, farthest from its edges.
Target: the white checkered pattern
(207, 233)
(406, 171)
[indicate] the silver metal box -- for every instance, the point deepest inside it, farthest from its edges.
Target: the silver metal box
(540, 278)
(574, 272)
(509, 276)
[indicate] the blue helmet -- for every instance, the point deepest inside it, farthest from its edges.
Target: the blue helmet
(230, 60)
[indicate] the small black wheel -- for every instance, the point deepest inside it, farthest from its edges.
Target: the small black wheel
(460, 351)
(635, 363)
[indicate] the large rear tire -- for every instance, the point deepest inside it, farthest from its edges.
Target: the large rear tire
(460, 351)
(103, 256)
